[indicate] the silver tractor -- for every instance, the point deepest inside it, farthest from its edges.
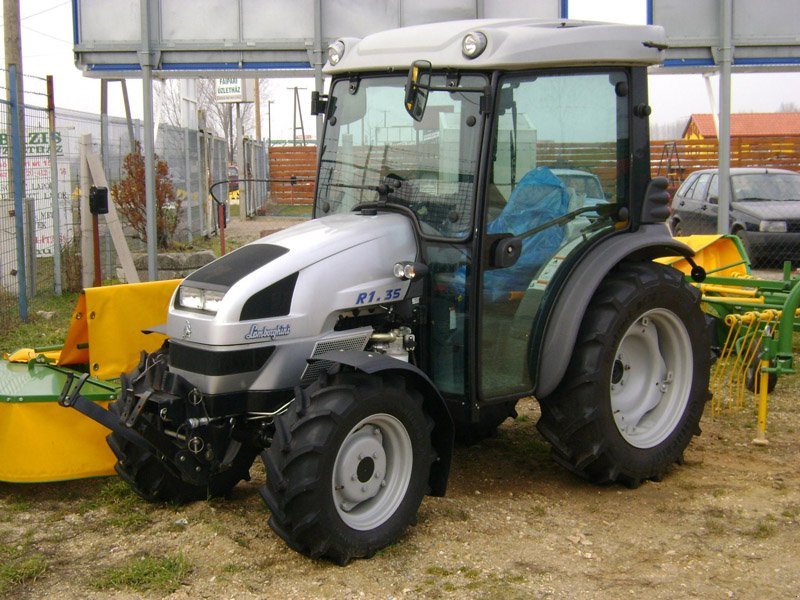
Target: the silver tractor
(448, 272)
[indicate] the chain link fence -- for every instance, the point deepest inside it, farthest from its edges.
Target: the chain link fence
(51, 196)
(764, 191)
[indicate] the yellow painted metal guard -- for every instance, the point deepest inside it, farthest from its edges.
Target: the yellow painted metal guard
(717, 254)
(41, 441)
(106, 327)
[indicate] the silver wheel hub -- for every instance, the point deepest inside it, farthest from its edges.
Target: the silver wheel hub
(361, 467)
(372, 471)
(651, 378)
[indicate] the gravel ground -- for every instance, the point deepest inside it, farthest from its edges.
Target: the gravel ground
(513, 525)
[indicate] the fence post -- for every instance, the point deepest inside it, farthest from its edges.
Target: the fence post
(18, 168)
(87, 266)
(56, 204)
(188, 182)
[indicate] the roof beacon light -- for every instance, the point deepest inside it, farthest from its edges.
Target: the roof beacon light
(335, 52)
(473, 44)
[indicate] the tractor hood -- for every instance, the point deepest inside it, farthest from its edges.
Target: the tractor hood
(294, 283)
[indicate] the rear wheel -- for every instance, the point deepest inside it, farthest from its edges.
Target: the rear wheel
(637, 382)
(347, 472)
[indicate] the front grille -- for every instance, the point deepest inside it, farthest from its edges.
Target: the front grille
(314, 369)
(215, 362)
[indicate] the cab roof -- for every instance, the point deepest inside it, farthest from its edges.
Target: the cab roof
(511, 44)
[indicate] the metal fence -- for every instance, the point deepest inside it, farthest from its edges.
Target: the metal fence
(764, 189)
(196, 160)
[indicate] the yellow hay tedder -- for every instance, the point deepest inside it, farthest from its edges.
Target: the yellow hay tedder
(754, 320)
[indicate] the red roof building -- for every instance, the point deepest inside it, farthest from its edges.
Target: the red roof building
(701, 126)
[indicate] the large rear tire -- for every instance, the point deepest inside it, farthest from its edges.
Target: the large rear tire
(637, 382)
(347, 471)
(151, 480)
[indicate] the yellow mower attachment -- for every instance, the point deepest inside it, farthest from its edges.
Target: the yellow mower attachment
(39, 440)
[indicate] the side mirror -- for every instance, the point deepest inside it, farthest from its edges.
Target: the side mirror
(713, 199)
(319, 103)
(417, 86)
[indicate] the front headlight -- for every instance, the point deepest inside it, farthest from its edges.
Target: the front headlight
(772, 226)
(335, 52)
(199, 299)
(473, 44)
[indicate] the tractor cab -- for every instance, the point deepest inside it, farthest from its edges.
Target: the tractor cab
(477, 140)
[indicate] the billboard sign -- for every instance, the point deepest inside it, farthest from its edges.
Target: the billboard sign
(765, 33)
(233, 90)
(201, 38)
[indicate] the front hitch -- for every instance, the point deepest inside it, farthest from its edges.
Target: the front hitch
(70, 397)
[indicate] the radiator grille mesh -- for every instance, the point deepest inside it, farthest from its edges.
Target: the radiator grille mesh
(349, 343)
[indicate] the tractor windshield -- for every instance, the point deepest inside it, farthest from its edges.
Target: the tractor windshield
(431, 164)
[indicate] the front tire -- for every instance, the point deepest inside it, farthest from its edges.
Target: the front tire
(347, 471)
(637, 382)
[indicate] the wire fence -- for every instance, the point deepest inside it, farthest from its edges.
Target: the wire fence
(51, 195)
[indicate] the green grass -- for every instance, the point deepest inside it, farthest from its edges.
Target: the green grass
(146, 573)
(18, 567)
(20, 571)
(38, 331)
(293, 210)
(126, 510)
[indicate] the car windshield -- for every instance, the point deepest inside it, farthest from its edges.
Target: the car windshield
(766, 187)
(431, 164)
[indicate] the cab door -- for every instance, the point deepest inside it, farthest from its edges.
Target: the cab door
(545, 124)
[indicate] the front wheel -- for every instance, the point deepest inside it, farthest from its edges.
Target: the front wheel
(637, 382)
(347, 472)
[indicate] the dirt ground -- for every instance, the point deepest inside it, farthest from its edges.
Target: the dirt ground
(513, 525)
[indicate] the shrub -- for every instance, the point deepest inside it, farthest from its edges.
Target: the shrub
(130, 199)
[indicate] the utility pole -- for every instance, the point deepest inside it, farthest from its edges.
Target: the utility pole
(258, 109)
(13, 49)
(297, 110)
(12, 39)
(269, 121)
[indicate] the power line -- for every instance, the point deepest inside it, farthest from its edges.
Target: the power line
(31, 29)
(45, 10)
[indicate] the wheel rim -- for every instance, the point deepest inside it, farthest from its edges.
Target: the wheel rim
(372, 471)
(651, 378)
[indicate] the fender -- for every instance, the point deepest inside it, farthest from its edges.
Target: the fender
(443, 434)
(561, 324)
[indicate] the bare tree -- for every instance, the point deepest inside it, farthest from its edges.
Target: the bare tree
(220, 116)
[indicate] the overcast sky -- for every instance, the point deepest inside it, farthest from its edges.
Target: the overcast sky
(47, 49)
